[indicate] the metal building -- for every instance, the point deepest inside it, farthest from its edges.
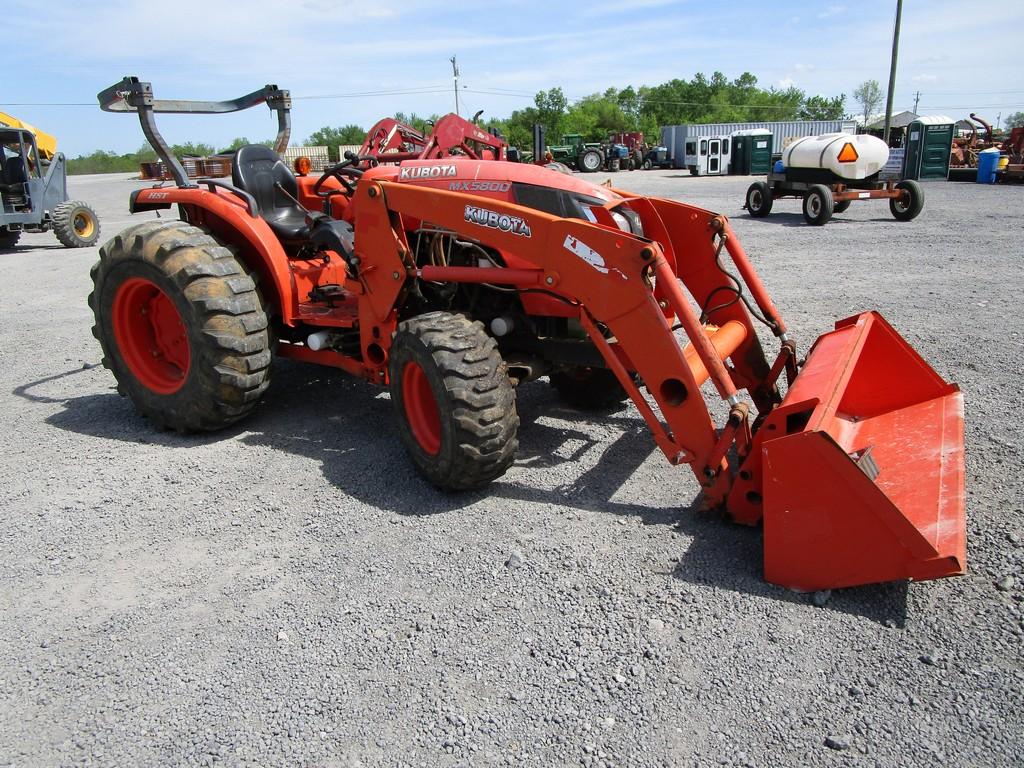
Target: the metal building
(684, 141)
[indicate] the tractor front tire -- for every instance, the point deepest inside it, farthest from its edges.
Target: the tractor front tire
(453, 400)
(588, 389)
(75, 224)
(182, 326)
(910, 203)
(648, 165)
(818, 205)
(759, 199)
(9, 238)
(590, 161)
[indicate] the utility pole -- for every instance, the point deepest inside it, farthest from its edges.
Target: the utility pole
(917, 98)
(455, 72)
(892, 70)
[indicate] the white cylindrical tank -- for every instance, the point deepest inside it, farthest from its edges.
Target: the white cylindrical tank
(846, 155)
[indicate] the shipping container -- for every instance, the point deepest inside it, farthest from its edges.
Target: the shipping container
(676, 137)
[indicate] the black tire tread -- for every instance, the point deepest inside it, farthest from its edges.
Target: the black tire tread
(9, 238)
(234, 356)
(484, 419)
(64, 225)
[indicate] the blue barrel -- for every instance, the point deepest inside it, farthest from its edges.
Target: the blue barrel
(988, 162)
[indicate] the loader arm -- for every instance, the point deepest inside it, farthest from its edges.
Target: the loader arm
(857, 472)
(627, 295)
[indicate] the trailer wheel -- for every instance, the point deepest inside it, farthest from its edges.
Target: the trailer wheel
(453, 399)
(588, 389)
(908, 205)
(181, 325)
(759, 199)
(9, 238)
(589, 161)
(818, 205)
(75, 224)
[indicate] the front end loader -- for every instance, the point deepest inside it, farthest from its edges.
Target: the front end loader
(453, 281)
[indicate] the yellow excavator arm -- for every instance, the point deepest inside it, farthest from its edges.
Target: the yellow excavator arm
(46, 143)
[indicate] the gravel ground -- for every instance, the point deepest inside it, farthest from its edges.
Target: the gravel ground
(290, 593)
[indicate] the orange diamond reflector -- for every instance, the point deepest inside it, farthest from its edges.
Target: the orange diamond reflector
(848, 154)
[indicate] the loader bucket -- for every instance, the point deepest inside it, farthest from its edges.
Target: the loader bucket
(866, 481)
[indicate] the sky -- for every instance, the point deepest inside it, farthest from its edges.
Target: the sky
(354, 62)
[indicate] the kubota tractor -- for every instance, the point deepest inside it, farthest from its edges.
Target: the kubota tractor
(452, 281)
(390, 141)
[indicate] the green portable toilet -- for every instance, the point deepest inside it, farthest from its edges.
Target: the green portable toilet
(751, 152)
(929, 141)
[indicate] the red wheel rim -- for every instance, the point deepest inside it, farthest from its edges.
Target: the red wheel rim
(151, 336)
(421, 408)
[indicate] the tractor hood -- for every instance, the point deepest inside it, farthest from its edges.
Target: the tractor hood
(487, 177)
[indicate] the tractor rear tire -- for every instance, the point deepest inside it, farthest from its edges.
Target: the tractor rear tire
(453, 400)
(588, 389)
(75, 224)
(759, 199)
(590, 161)
(182, 326)
(910, 204)
(818, 205)
(841, 206)
(9, 238)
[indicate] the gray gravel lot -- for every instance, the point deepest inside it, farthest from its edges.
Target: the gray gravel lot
(289, 592)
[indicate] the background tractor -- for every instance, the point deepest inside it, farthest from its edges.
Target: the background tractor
(453, 281)
(34, 189)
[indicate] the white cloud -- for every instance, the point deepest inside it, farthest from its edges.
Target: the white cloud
(924, 78)
(830, 11)
(787, 82)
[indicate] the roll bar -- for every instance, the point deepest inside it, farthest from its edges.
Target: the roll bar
(134, 95)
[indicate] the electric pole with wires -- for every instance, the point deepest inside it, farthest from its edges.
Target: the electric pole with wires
(455, 73)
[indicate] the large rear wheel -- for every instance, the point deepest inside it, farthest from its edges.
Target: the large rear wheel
(590, 161)
(453, 399)
(181, 325)
(75, 224)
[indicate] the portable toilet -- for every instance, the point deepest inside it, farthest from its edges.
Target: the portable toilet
(751, 152)
(929, 141)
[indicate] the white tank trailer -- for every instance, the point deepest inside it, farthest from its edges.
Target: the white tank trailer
(832, 152)
(829, 172)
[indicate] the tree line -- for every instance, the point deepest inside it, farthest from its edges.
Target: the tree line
(702, 99)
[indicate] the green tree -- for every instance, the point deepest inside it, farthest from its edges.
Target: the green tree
(332, 137)
(243, 141)
(869, 95)
(1014, 120)
(823, 108)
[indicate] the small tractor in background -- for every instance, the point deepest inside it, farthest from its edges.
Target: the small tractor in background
(829, 173)
(34, 189)
(635, 145)
(453, 281)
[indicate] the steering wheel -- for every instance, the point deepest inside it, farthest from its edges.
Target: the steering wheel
(339, 171)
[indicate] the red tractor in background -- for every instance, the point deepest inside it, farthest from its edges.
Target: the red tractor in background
(390, 141)
(451, 281)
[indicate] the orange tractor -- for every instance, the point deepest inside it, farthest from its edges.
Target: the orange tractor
(451, 281)
(390, 141)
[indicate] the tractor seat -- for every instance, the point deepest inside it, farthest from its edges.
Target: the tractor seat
(14, 172)
(259, 171)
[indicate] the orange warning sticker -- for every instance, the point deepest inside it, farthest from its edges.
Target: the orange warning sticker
(848, 154)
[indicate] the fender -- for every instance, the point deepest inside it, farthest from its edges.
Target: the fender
(229, 220)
